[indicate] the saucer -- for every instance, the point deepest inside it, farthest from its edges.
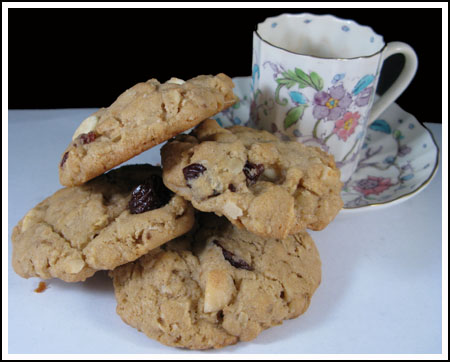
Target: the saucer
(398, 159)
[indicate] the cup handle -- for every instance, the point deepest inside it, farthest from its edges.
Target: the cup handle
(403, 80)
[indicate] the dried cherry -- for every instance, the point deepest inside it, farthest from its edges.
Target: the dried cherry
(193, 171)
(233, 259)
(150, 195)
(252, 172)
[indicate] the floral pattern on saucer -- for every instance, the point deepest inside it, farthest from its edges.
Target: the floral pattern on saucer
(398, 158)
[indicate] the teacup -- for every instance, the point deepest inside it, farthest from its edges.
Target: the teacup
(314, 79)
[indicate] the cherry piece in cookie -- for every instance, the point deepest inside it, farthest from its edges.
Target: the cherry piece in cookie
(150, 195)
(252, 172)
(233, 259)
(193, 171)
(64, 159)
(86, 138)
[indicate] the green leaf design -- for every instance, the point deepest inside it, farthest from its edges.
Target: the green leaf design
(236, 105)
(294, 115)
(302, 84)
(300, 78)
(281, 102)
(316, 80)
(290, 84)
(283, 80)
(302, 75)
(290, 74)
(397, 135)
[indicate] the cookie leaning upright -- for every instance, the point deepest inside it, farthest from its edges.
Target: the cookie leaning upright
(142, 117)
(108, 221)
(270, 187)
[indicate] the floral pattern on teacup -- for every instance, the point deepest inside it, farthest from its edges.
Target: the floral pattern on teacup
(345, 127)
(397, 157)
(332, 104)
(335, 104)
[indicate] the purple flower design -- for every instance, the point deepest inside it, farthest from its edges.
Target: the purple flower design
(332, 104)
(404, 150)
(363, 98)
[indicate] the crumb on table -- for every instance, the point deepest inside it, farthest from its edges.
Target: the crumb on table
(41, 287)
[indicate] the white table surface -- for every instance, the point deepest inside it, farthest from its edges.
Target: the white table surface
(381, 289)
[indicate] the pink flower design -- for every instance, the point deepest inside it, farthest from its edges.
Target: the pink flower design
(345, 127)
(373, 185)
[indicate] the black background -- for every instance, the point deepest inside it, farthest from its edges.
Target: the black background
(79, 58)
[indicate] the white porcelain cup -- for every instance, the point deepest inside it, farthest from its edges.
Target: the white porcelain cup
(314, 79)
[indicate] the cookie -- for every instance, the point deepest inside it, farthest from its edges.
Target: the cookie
(270, 187)
(111, 220)
(142, 117)
(217, 286)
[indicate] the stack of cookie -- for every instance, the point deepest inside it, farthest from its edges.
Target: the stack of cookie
(205, 252)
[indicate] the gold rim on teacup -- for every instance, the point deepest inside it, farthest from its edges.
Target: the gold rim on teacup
(299, 15)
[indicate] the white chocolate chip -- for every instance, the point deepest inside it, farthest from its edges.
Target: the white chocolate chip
(218, 291)
(235, 166)
(86, 126)
(174, 80)
(326, 173)
(270, 173)
(74, 266)
(232, 210)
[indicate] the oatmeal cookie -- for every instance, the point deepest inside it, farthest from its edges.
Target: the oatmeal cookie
(142, 117)
(109, 221)
(217, 285)
(270, 187)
